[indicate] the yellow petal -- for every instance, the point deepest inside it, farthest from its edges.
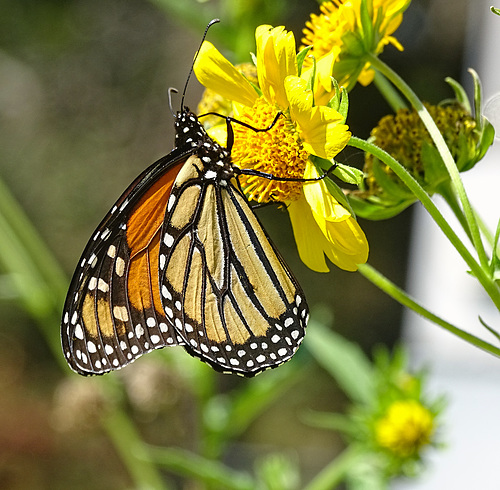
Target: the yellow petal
(346, 247)
(321, 130)
(320, 127)
(276, 59)
(300, 99)
(349, 244)
(308, 237)
(217, 73)
(218, 133)
(321, 202)
(323, 84)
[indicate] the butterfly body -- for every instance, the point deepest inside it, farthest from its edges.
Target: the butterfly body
(181, 259)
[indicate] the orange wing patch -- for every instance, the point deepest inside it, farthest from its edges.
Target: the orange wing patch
(147, 216)
(143, 239)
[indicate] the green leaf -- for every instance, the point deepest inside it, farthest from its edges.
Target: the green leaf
(486, 140)
(394, 188)
(495, 256)
(367, 25)
(323, 165)
(330, 421)
(301, 56)
(334, 102)
(490, 329)
(348, 174)
(477, 95)
(434, 168)
(277, 472)
(344, 360)
(338, 194)
(213, 473)
(460, 93)
(344, 101)
(377, 211)
(340, 101)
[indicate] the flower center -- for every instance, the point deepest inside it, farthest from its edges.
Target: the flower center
(405, 429)
(278, 152)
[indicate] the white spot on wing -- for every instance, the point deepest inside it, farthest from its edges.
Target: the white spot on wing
(79, 332)
(171, 202)
(168, 240)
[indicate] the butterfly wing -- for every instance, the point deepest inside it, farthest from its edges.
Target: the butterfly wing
(231, 297)
(113, 311)
(182, 260)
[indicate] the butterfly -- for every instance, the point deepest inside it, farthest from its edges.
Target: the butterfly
(182, 260)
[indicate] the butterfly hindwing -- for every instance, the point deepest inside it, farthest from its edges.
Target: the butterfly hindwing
(232, 299)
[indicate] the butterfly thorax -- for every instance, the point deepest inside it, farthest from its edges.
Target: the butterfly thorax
(216, 159)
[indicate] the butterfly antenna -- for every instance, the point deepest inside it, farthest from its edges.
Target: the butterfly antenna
(210, 24)
(171, 90)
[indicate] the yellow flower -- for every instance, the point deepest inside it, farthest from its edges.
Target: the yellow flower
(340, 27)
(405, 429)
(306, 127)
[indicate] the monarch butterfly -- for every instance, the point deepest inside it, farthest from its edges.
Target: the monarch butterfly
(181, 259)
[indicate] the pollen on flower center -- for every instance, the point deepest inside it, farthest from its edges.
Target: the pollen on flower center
(278, 152)
(405, 429)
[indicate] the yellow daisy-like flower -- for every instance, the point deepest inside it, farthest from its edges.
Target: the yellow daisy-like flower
(305, 128)
(405, 429)
(341, 27)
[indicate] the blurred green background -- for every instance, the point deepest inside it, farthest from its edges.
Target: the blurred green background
(83, 110)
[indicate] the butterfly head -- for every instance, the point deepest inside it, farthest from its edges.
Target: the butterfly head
(190, 134)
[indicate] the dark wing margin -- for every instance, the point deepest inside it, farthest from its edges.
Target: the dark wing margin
(113, 312)
(232, 299)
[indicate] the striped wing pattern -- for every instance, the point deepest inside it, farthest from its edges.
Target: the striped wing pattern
(113, 312)
(232, 299)
(181, 259)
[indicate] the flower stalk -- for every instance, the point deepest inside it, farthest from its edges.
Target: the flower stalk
(479, 271)
(403, 298)
(444, 151)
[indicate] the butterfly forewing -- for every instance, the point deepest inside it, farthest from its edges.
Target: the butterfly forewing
(232, 299)
(113, 312)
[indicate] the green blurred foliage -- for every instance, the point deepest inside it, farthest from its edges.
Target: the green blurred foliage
(83, 110)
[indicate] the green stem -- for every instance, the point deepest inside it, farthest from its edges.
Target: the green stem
(391, 95)
(479, 272)
(33, 274)
(450, 197)
(444, 151)
(39, 284)
(188, 464)
(133, 451)
(402, 297)
(335, 472)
